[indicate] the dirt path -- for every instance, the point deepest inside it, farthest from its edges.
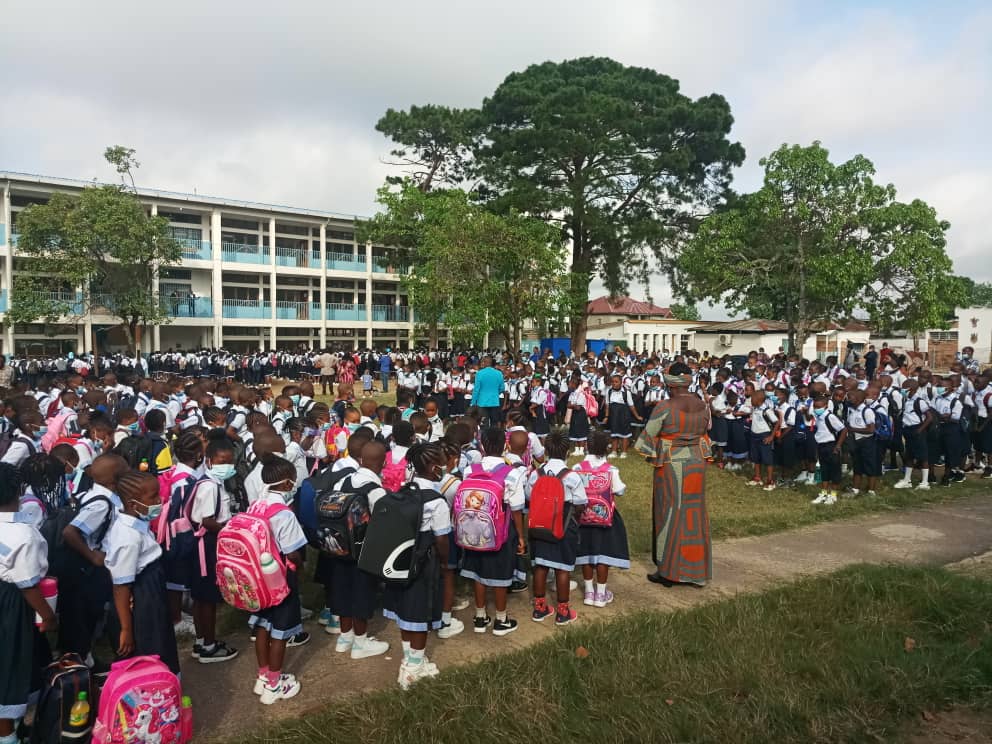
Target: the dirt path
(938, 535)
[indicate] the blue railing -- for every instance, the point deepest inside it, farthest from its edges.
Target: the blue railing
(248, 309)
(3, 234)
(244, 253)
(345, 262)
(286, 310)
(315, 259)
(382, 265)
(3, 296)
(337, 311)
(198, 250)
(390, 313)
(191, 307)
(13, 238)
(294, 257)
(73, 301)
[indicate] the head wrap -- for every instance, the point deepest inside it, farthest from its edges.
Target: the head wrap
(677, 380)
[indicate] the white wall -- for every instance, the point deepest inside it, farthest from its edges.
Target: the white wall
(980, 331)
(742, 343)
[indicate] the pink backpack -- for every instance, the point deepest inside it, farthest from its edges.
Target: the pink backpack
(167, 481)
(599, 492)
(241, 544)
(394, 473)
(480, 519)
(592, 405)
(142, 701)
(56, 427)
(550, 403)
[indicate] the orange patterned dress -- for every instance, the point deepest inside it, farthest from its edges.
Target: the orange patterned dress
(673, 442)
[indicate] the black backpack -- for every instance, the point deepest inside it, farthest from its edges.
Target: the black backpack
(8, 439)
(63, 561)
(342, 519)
(395, 549)
(319, 483)
(243, 465)
(63, 680)
(134, 448)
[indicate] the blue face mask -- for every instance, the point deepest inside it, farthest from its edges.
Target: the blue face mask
(134, 427)
(904, 392)
(221, 472)
(940, 390)
(819, 412)
(295, 399)
(352, 428)
(151, 512)
(773, 399)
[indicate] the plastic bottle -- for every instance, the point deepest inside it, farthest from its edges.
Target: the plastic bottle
(79, 714)
(143, 465)
(271, 572)
(186, 719)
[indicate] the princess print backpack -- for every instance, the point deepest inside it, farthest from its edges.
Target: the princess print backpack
(480, 518)
(142, 701)
(599, 491)
(251, 574)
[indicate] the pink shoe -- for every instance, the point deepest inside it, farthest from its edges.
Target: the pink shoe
(589, 598)
(603, 598)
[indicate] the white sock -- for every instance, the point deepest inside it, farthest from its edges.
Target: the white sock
(446, 618)
(416, 657)
(480, 612)
(589, 585)
(925, 473)
(11, 739)
(600, 588)
(90, 661)
(349, 636)
(908, 474)
(501, 617)
(406, 649)
(199, 641)
(360, 639)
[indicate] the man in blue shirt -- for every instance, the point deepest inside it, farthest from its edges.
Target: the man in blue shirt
(385, 365)
(487, 390)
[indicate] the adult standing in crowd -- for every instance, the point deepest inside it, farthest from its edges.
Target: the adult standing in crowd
(488, 388)
(327, 368)
(871, 362)
(673, 443)
(6, 373)
(385, 367)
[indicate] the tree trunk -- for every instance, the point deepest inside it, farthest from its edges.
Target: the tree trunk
(579, 294)
(803, 322)
(432, 334)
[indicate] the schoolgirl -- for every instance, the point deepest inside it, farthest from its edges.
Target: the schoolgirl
(353, 592)
(578, 427)
(209, 512)
(718, 423)
(417, 607)
(785, 443)
(560, 555)
(275, 626)
(829, 435)
(188, 452)
(447, 487)
(738, 447)
(538, 402)
(534, 451)
(133, 557)
(619, 409)
(495, 570)
(23, 564)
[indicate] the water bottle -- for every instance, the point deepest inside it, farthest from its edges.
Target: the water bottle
(186, 719)
(271, 572)
(49, 587)
(79, 715)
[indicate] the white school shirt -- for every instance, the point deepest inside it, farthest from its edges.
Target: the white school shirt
(130, 547)
(539, 397)
(983, 402)
(915, 409)
(617, 486)
(436, 516)
(621, 396)
(210, 499)
(23, 552)
(19, 450)
(534, 442)
(170, 419)
(30, 509)
(345, 462)
(296, 455)
(949, 405)
(239, 421)
(575, 489)
(254, 487)
(762, 418)
(121, 433)
(194, 416)
(823, 435)
(787, 414)
(93, 514)
(437, 428)
(860, 418)
(285, 527)
(514, 495)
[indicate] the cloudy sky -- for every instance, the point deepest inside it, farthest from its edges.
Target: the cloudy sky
(277, 102)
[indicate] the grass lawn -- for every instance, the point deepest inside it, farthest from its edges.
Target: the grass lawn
(854, 656)
(738, 511)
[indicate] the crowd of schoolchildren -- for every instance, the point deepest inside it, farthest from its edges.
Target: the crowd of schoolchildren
(146, 497)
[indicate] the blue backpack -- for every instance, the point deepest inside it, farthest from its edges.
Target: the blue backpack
(883, 425)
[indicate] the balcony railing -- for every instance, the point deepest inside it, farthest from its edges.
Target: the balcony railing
(345, 262)
(287, 310)
(337, 311)
(3, 234)
(244, 253)
(197, 250)
(74, 301)
(381, 265)
(294, 257)
(315, 258)
(248, 309)
(390, 313)
(3, 296)
(190, 307)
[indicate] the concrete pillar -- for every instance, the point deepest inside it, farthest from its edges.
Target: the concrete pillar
(217, 279)
(272, 282)
(8, 266)
(368, 292)
(157, 337)
(323, 286)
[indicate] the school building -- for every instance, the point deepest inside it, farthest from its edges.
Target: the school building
(252, 276)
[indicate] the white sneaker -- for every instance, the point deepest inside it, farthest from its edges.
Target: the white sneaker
(623, 455)
(903, 484)
(612, 456)
(344, 643)
(871, 494)
(368, 647)
(924, 486)
(459, 604)
(305, 614)
(819, 499)
(411, 673)
(450, 630)
(260, 681)
(185, 627)
(830, 500)
(589, 598)
(286, 688)
(811, 479)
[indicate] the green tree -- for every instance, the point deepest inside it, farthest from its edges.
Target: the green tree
(476, 270)
(819, 241)
(435, 143)
(979, 294)
(98, 250)
(616, 157)
(684, 311)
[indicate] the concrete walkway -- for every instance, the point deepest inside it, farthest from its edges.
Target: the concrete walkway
(942, 534)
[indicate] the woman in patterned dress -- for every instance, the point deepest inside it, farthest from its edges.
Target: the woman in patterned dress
(673, 442)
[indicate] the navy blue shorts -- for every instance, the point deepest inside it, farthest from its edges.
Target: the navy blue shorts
(761, 453)
(916, 444)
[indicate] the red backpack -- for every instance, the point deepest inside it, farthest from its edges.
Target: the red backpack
(546, 519)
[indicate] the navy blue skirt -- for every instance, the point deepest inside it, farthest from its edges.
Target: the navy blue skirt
(578, 429)
(559, 555)
(719, 432)
(738, 446)
(353, 592)
(496, 568)
(17, 661)
(604, 545)
(416, 608)
(541, 425)
(619, 421)
(284, 620)
(203, 588)
(152, 621)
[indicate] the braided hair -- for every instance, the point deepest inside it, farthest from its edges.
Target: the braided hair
(44, 474)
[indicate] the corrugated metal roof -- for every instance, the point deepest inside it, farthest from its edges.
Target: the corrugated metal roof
(624, 306)
(748, 325)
